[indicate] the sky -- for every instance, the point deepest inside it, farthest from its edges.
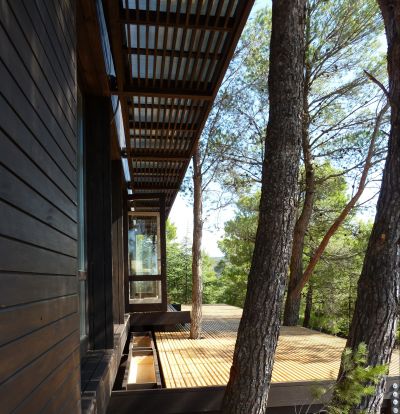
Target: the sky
(182, 217)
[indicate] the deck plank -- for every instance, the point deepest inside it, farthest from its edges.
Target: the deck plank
(302, 354)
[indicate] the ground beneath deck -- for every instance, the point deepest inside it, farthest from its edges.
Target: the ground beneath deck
(302, 354)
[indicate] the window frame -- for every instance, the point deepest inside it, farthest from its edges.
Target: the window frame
(82, 227)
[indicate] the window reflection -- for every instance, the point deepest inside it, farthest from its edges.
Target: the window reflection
(145, 291)
(143, 241)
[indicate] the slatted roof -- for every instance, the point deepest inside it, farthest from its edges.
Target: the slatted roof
(170, 57)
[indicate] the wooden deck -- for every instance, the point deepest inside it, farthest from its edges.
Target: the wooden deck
(302, 354)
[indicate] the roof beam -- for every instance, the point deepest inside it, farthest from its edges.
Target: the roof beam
(154, 174)
(158, 158)
(157, 187)
(146, 196)
(163, 93)
(154, 18)
(170, 53)
(167, 127)
(164, 106)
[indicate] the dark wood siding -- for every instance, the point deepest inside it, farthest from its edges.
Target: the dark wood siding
(39, 322)
(98, 209)
(117, 230)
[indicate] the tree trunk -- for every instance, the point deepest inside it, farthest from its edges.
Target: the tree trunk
(307, 312)
(197, 282)
(292, 304)
(250, 376)
(376, 310)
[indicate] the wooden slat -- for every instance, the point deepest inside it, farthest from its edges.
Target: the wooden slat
(183, 65)
(21, 352)
(19, 225)
(143, 17)
(29, 105)
(20, 288)
(170, 53)
(54, 67)
(159, 318)
(59, 383)
(14, 97)
(39, 325)
(26, 65)
(158, 158)
(163, 93)
(164, 127)
(19, 321)
(16, 161)
(21, 257)
(302, 354)
(36, 149)
(19, 194)
(16, 389)
(289, 398)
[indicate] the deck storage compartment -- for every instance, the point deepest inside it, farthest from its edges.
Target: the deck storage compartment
(142, 370)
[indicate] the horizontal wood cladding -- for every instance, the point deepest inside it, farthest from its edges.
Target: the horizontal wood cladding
(17, 224)
(57, 384)
(29, 380)
(17, 192)
(34, 317)
(14, 355)
(23, 288)
(20, 47)
(39, 320)
(23, 257)
(16, 161)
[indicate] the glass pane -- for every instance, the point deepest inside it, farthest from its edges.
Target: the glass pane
(144, 245)
(148, 291)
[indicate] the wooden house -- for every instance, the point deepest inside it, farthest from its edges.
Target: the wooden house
(102, 103)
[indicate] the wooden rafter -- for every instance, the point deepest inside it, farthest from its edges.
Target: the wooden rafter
(181, 20)
(170, 60)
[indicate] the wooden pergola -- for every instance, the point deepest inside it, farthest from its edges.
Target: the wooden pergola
(170, 58)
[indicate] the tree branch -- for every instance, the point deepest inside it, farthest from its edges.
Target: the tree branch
(349, 206)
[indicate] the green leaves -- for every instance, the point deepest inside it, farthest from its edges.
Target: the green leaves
(358, 380)
(179, 271)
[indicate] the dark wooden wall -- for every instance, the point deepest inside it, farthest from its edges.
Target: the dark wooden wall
(117, 190)
(39, 324)
(99, 221)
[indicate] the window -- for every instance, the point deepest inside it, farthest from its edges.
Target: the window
(82, 253)
(144, 258)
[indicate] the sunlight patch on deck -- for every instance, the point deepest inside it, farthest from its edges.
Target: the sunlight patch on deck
(302, 354)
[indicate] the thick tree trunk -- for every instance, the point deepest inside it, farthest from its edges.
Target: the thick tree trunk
(307, 311)
(292, 304)
(250, 376)
(377, 305)
(197, 285)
